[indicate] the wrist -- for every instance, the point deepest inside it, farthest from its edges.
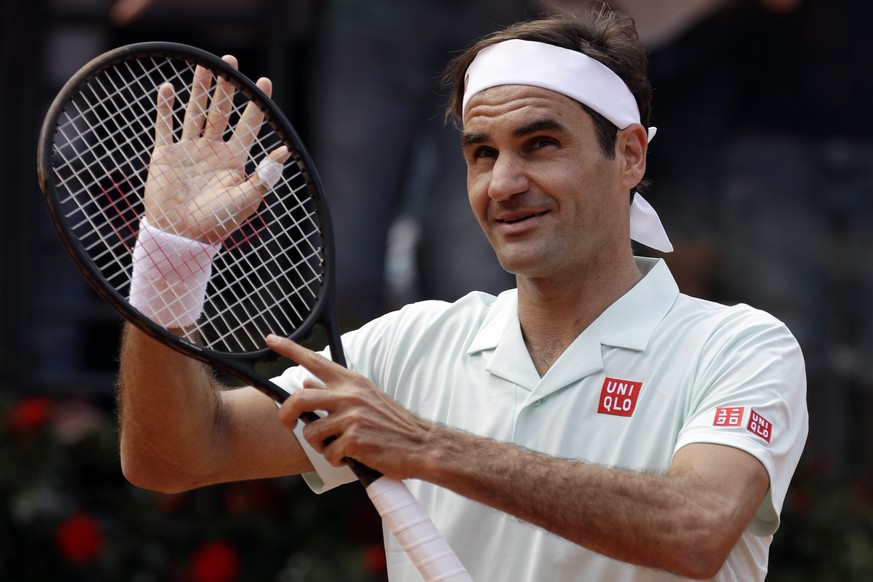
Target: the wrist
(446, 454)
(169, 276)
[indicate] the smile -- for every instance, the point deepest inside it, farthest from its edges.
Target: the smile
(520, 218)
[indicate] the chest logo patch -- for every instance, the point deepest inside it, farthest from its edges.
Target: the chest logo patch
(619, 397)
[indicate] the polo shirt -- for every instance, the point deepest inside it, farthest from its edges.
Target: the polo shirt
(657, 370)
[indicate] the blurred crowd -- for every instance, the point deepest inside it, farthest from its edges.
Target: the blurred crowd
(762, 168)
(762, 171)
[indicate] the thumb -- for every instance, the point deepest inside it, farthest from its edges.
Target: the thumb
(269, 170)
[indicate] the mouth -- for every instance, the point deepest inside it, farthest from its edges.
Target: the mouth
(520, 218)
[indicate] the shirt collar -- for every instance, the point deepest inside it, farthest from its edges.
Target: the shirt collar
(628, 323)
(632, 319)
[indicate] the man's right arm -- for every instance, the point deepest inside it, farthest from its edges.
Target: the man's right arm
(181, 428)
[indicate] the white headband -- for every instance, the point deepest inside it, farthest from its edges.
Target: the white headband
(580, 77)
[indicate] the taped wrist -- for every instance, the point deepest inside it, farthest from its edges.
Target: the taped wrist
(170, 276)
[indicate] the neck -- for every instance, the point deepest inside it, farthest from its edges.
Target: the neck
(553, 313)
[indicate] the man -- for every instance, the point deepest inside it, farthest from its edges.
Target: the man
(620, 429)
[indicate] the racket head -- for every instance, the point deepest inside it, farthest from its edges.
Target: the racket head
(272, 275)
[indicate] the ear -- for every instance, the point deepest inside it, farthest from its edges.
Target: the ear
(631, 146)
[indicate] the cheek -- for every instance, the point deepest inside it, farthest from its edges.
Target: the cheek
(477, 195)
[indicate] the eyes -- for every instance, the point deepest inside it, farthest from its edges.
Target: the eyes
(482, 152)
(530, 146)
(543, 141)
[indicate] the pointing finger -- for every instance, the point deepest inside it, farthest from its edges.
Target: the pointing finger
(317, 365)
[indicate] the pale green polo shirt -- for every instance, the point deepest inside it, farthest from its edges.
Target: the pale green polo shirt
(656, 371)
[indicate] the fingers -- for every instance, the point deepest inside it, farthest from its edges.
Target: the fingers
(250, 121)
(269, 170)
(164, 121)
(195, 113)
(249, 195)
(313, 384)
(221, 105)
(322, 368)
(209, 117)
(326, 429)
(334, 391)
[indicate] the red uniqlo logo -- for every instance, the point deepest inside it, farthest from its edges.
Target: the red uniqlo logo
(760, 426)
(619, 397)
(728, 416)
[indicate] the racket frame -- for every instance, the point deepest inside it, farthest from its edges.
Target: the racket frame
(404, 516)
(236, 364)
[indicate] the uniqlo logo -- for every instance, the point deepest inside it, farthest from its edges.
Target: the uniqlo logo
(728, 416)
(619, 397)
(760, 426)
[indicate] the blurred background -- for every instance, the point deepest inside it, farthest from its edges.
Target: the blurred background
(762, 171)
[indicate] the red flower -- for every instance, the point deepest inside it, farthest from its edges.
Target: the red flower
(247, 496)
(801, 500)
(169, 502)
(80, 538)
(375, 560)
(30, 414)
(215, 562)
(237, 498)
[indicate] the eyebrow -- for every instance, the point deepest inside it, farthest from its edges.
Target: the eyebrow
(544, 124)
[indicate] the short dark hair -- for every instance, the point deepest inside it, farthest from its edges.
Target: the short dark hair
(608, 36)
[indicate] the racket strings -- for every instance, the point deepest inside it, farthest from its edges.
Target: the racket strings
(268, 275)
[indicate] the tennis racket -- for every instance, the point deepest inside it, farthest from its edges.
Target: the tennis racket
(177, 135)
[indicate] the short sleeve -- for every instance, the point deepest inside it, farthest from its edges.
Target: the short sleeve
(750, 394)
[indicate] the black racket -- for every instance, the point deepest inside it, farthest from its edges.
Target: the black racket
(108, 129)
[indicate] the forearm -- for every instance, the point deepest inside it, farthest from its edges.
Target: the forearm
(660, 521)
(169, 414)
(181, 429)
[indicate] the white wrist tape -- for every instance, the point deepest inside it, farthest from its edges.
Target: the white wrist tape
(170, 276)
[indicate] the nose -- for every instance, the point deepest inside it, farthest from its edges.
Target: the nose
(508, 178)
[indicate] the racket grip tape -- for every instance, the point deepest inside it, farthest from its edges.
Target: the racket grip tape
(415, 532)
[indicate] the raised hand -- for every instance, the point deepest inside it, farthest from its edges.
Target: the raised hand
(197, 187)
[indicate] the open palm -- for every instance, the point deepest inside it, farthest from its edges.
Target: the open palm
(196, 186)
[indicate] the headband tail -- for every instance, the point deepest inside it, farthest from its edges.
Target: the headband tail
(646, 227)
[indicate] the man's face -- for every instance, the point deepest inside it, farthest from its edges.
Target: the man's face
(548, 199)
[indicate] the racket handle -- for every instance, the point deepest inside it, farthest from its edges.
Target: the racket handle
(415, 532)
(407, 521)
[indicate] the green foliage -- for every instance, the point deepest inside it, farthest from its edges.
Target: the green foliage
(69, 514)
(826, 533)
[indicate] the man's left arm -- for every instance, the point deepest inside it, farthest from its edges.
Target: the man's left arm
(685, 521)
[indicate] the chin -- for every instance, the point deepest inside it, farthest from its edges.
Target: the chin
(522, 266)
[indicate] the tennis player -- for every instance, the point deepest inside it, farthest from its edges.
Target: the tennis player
(592, 424)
